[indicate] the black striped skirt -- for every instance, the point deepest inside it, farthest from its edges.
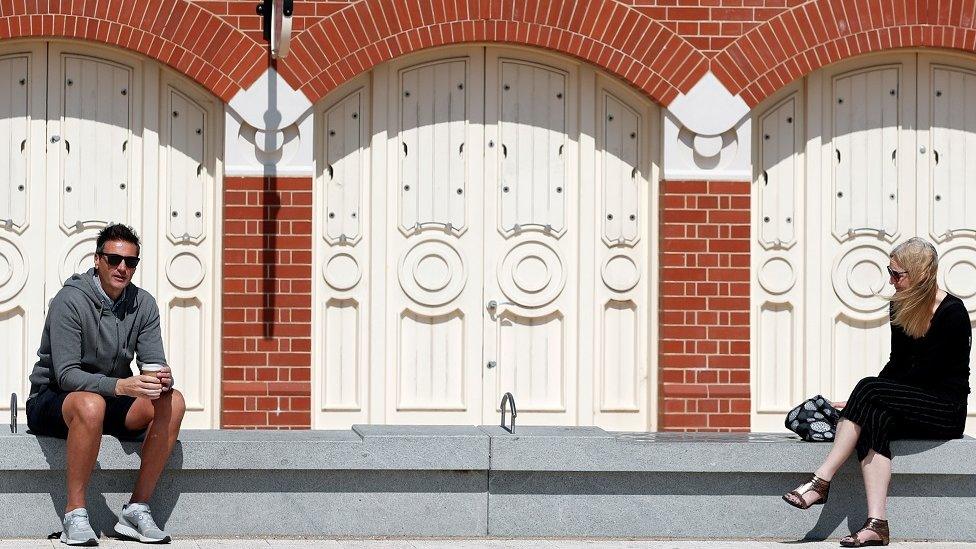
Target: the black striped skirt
(886, 410)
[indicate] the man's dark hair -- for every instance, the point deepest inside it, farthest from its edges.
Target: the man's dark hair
(117, 231)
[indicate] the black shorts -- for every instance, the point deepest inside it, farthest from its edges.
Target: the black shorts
(45, 416)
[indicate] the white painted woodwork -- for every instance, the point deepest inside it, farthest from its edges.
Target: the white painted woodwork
(434, 288)
(468, 166)
(624, 146)
(531, 263)
(342, 210)
(946, 174)
(93, 147)
(187, 204)
(21, 214)
(876, 165)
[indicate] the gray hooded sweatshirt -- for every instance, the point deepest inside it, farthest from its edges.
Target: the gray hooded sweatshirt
(87, 346)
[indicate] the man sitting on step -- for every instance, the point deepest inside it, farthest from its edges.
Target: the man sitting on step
(82, 385)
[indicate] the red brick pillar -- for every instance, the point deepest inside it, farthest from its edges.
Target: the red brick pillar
(267, 303)
(704, 312)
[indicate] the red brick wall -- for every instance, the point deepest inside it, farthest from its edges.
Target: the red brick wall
(704, 313)
(711, 25)
(267, 309)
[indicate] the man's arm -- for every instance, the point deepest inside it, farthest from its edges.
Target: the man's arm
(149, 342)
(66, 342)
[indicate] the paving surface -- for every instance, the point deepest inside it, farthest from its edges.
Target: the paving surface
(473, 544)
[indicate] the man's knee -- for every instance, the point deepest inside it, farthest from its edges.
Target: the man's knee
(88, 408)
(175, 401)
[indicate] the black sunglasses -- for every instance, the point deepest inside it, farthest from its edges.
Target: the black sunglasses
(896, 274)
(114, 259)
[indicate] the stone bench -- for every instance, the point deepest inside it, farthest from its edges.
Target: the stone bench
(483, 481)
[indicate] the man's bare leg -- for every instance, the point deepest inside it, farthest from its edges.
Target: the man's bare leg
(164, 416)
(83, 413)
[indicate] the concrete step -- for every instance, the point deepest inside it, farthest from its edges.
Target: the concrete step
(456, 481)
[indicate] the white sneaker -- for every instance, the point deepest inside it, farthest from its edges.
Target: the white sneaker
(77, 529)
(136, 523)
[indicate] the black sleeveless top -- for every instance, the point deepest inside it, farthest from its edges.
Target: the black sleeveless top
(937, 362)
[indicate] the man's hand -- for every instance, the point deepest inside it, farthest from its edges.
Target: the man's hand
(840, 405)
(140, 386)
(166, 378)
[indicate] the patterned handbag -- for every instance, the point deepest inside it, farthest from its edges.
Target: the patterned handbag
(815, 420)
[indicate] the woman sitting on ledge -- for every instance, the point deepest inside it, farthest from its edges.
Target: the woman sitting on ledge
(921, 393)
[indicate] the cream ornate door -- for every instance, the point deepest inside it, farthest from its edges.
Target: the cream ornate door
(945, 193)
(93, 109)
(434, 241)
(877, 164)
(97, 148)
(865, 206)
(502, 244)
(22, 198)
(531, 238)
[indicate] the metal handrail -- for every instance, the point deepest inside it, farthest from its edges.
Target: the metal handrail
(511, 401)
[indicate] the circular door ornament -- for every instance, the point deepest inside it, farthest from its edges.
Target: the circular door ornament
(185, 271)
(777, 276)
(432, 273)
(14, 268)
(958, 271)
(342, 272)
(620, 274)
(531, 274)
(859, 277)
(80, 258)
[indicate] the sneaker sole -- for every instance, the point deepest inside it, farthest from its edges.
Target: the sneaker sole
(93, 542)
(132, 533)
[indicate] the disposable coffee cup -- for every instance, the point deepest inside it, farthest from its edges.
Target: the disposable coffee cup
(152, 370)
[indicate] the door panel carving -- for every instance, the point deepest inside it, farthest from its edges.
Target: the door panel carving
(867, 119)
(15, 142)
(532, 138)
(93, 126)
(433, 130)
(341, 369)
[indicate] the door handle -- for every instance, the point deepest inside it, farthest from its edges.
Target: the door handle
(492, 305)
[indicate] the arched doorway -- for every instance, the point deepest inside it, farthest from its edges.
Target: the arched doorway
(93, 135)
(484, 223)
(849, 161)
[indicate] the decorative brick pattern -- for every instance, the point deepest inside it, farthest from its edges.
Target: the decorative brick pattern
(242, 14)
(704, 312)
(174, 32)
(711, 25)
(820, 32)
(267, 309)
(618, 38)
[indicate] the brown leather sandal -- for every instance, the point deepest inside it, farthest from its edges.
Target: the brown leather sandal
(877, 526)
(816, 484)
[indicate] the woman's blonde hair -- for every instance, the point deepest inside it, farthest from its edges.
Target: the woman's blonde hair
(913, 306)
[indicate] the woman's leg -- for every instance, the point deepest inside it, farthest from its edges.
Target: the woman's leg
(876, 469)
(844, 442)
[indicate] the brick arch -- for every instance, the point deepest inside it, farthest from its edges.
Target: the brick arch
(177, 33)
(607, 33)
(812, 35)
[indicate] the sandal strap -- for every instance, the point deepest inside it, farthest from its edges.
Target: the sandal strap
(815, 484)
(876, 525)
